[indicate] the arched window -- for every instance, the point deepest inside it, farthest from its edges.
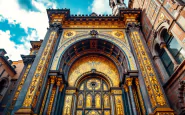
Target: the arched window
(172, 53)
(93, 96)
(3, 84)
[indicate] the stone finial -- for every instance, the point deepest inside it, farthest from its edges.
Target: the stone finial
(2, 52)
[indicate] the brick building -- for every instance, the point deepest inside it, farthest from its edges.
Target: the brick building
(9, 75)
(128, 63)
(163, 26)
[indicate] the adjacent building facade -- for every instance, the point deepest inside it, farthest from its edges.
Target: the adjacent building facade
(9, 75)
(127, 63)
(163, 27)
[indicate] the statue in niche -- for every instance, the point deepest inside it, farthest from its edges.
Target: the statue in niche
(98, 101)
(119, 107)
(80, 102)
(67, 107)
(89, 101)
(106, 101)
(67, 112)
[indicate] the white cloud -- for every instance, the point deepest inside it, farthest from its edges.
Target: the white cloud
(101, 7)
(13, 50)
(10, 10)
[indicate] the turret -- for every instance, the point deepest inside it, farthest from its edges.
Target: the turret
(116, 5)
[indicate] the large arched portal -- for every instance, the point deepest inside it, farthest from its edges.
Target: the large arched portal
(93, 71)
(97, 50)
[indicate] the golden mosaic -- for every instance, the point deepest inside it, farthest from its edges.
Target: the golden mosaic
(119, 105)
(67, 105)
(36, 83)
(98, 63)
(151, 82)
(69, 34)
(118, 34)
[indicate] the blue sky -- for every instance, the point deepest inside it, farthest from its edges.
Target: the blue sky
(26, 20)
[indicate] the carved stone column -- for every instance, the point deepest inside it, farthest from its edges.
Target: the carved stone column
(163, 45)
(158, 103)
(28, 61)
(74, 104)
(29, 96)
(161, 69)
(140, 97)
(59, 80)
(128, 99)
(112, 104)
(45, 97)
(49, 94)
(129, 83)
(60, 99)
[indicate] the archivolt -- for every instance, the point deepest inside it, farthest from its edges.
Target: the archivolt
(117, 42)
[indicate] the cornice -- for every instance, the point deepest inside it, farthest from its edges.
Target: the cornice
(63, 17)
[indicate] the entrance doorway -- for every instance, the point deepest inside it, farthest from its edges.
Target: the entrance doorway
(93, 96)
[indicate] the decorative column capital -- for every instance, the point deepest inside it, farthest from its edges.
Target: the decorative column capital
(55, 26)
(163, 45)
(125, 88)
(137, 82)
(59, 80)
(129, 81)
(28, 58)
(155, 57)
(61, 87)
(52, 79)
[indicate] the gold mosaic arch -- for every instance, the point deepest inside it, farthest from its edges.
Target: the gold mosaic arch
(93, 62)
(68, 43)
(99, 74)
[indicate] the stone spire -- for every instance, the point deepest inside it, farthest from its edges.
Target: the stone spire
(116, 5)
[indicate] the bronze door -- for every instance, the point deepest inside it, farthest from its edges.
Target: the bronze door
(93, 97)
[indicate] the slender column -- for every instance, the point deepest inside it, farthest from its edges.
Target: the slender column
(140, 97)
(163, 45)
(45, 96)
(161, 69)
(60, 95)
(74, 104)
(49, 94)
(112, 105)
(129, 83)
(56, 95)
(128, 98)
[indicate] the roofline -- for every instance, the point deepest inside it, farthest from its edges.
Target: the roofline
(6, 61)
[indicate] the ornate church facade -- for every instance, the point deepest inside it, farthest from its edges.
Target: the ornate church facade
(92, 65)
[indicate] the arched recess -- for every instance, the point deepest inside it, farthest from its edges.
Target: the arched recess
(158, 39)
(4, 83)
(163, 25)
(104, 49)
(124, 49)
